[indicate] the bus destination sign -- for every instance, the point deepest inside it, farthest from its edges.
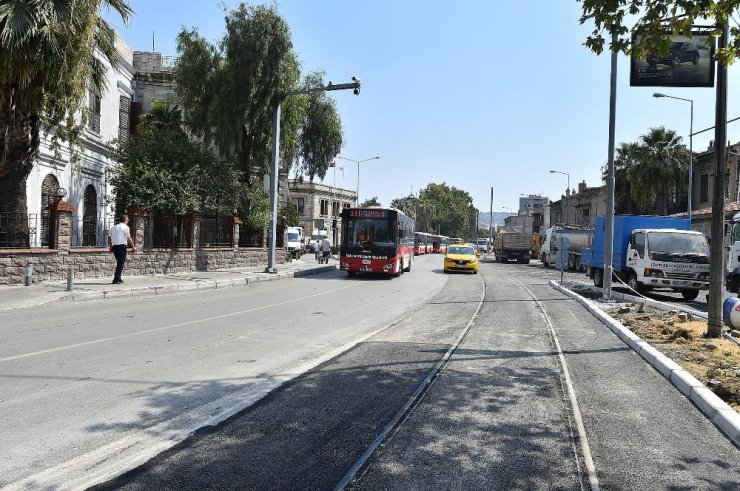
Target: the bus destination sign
(364, 213)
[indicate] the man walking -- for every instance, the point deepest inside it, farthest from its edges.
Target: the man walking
(118, 238)
(325, 249)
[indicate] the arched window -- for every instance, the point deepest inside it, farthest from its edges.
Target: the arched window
(89, 216)
(49, 198)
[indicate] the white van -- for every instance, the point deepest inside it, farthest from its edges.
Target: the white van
(294, 241)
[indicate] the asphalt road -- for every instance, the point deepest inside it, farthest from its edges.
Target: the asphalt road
(497, 416)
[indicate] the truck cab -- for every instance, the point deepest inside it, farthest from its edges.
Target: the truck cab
(668, 258)
(294, 241)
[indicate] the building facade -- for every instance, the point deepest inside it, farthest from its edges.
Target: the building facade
(579, 208)
(319, 205)
(84, 183)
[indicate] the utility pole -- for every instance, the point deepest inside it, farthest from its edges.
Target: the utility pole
(490, 221)
(717, 264)
(609, 218)
(274, 169)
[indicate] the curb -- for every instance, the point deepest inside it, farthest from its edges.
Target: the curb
(714, 408)
(170, 289)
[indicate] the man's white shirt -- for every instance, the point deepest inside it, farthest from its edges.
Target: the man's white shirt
(119, 234)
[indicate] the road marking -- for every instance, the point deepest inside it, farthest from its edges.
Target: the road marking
(578, 419)
(179, 324)
(412, 401)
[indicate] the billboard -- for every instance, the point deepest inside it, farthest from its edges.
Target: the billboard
(689, 62)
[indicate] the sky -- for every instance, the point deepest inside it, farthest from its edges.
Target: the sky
(475, 94)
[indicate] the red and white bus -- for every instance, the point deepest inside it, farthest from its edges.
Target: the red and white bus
(422, 243)
(376, 240)
(439, 244)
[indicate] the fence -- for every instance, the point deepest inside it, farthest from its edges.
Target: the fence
(249, 237)
(20, 231)
(88, 232)
(215, 232)
(168, 232)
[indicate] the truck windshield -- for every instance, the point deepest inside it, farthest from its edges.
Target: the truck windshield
(292, 237)
(673, 243)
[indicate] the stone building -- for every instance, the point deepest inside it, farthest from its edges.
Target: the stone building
(579, 208)
(84, 184)
(320, 205)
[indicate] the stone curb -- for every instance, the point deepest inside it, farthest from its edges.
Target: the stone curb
(171, 289)
(714, 408)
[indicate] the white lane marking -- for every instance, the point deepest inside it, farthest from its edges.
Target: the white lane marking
(578, 419)
(412, 401)
(173, 326)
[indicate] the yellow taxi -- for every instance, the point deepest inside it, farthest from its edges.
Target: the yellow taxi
(461, 257)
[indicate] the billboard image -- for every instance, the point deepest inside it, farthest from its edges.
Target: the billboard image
(688, 63)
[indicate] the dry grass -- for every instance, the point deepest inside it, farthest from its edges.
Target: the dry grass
(716, 362)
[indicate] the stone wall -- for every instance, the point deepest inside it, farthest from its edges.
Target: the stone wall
(52, 265)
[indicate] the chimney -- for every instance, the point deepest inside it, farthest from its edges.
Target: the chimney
(711, 146)
(567, 193)
(582, 186)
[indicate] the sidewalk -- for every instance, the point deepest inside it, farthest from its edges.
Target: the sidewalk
(18, 297)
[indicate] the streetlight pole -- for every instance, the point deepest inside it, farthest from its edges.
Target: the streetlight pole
(567, 192)
(691, 146)
(274, 172)
(358, 162)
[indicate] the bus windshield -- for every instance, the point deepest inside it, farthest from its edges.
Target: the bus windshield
(370, 232)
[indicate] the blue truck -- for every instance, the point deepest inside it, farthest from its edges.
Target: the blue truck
(652, 252)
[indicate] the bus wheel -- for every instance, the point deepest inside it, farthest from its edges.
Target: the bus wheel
(411, 261)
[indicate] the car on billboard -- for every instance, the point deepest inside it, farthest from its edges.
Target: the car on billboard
(679, 52)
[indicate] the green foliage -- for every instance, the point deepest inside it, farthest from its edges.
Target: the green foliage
(288, 216)
(371, 202)
(321, 135)
(164, 171)
(655, 21)
(407, 204)
(229, 90)
(445, 209)
(654, 167)
(47, 62)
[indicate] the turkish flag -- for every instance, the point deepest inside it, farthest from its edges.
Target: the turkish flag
(332, 164)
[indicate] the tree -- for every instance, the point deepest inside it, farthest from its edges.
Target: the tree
(661, 170)
(163, 170)
(653, 22)
(47, 63)
(229, 90)
(321, 133)
(407, 205)
(447, 209)
(370, 202)
(651, 175)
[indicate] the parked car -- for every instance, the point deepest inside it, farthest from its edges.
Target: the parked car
(461, 257)
(679, 52)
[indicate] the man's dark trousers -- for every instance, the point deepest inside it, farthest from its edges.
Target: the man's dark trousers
(119, 251)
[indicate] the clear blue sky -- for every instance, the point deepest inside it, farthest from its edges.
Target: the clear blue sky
(475, 93)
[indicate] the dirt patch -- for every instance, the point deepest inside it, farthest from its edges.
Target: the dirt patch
(716, 362)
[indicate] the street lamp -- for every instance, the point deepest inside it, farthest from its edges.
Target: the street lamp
(567, 192)
(272, 230)
(691, 145)
(358, 162)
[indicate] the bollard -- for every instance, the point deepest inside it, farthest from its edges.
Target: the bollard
(70, 278)
(29, 274)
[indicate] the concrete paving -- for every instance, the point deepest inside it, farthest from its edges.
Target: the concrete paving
(19, 297)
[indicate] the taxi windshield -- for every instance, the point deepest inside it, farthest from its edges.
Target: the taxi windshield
(460, 250)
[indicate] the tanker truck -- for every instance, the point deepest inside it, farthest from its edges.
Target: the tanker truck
(579, 238)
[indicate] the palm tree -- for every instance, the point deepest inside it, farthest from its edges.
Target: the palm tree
(660, 169)
(627, 157)
(47, 65)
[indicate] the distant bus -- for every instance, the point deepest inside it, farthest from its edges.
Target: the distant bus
(439, 244)
(376, 240)
(422, 243)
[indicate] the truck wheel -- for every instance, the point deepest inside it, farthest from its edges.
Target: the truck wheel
(571, 262)
(598, 277)
(634, 284)
(689, 294)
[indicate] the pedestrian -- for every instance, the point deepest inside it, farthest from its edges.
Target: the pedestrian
(326, 248)
(118, 238)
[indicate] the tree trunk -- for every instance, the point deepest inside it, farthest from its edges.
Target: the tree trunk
(19, 144)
